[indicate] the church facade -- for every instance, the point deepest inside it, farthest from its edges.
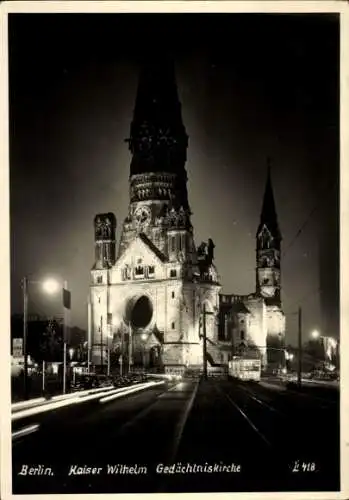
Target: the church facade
(153, 296)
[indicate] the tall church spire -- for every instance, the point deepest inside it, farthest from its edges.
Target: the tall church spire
(158, 143)
(268, 214)
(158, 140)
(268, 270)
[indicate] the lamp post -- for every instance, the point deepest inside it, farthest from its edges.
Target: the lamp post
(121, 356)
(130, 348)
(71, 354)
(66, 308)
(110, 336)
(25, 331)
(89, 336)
(204, 339)
(300, 352)
(204, 345)
(143, 338)
(49, 286)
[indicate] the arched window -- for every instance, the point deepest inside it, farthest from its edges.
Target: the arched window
(139, 271)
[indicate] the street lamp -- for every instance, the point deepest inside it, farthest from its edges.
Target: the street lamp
(49, 286)
(71, 354)
(315, 334)
(89, 332)
(144, 337)
(130, 347)
(109, 336)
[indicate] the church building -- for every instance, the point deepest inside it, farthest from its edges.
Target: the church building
(153, 296)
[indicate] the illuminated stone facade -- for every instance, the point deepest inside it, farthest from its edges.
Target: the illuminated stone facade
(148, 296)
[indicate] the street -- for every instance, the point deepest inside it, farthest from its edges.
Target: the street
(187, 436)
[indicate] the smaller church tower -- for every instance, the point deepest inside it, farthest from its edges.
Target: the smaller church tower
(268, 272)
(268, 250)
(105, 240)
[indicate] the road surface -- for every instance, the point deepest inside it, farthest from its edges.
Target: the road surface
(188, 436)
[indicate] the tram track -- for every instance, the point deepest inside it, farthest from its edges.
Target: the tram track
(284, 419)
(320, 402)
(210, 423)
(245, 416)
(261, 402)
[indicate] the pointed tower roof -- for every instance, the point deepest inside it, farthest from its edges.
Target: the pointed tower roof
(158, 140)
(268, 215)
(157, 98)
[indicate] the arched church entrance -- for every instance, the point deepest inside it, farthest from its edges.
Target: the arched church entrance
(138, 316)
(139, 312)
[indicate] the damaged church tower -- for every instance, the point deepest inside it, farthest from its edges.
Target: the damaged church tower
(146, 302)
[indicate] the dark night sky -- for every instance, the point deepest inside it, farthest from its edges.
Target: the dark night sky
(251, 86)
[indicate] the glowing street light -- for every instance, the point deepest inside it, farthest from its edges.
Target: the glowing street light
(144, 337)
(50, 286)
(110, 336)
(315, 334)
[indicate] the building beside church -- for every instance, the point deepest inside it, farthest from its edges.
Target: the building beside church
(148, 295)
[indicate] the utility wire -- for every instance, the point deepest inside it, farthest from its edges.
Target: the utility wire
(304, 299)
(305, 223)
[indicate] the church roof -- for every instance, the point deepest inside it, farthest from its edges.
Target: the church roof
(152, 247)
(239, 307)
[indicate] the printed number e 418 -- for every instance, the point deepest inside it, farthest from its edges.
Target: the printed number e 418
(299, 466)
